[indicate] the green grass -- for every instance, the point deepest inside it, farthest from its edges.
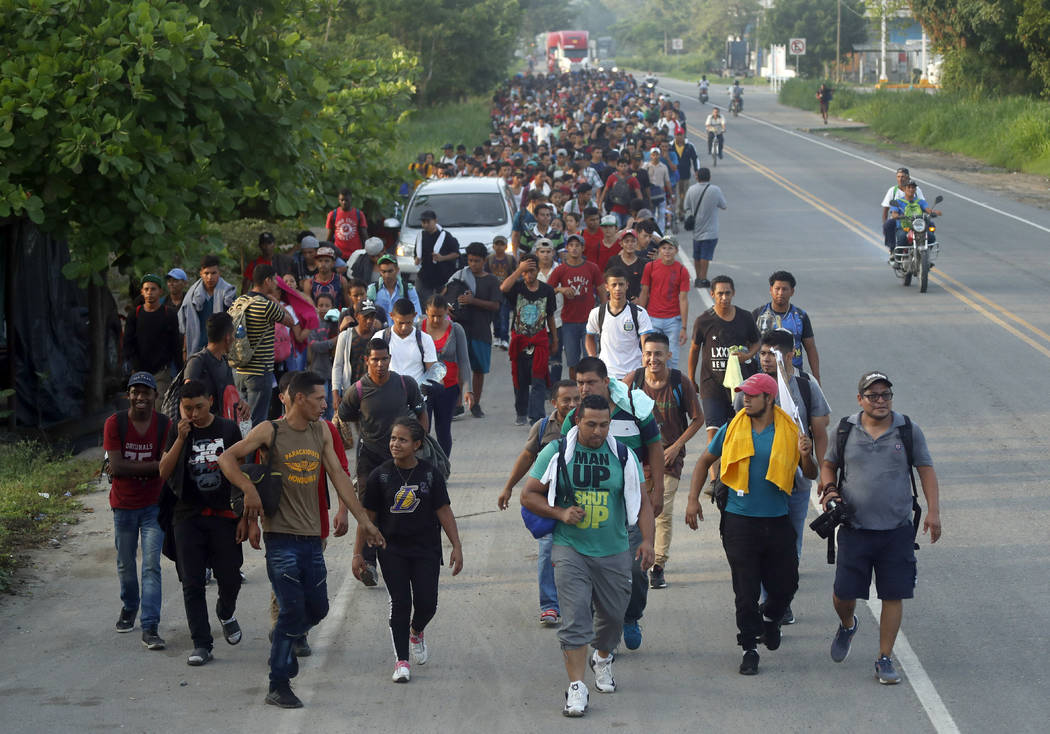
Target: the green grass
(27, 470)
(1010, 132)
(426, 130)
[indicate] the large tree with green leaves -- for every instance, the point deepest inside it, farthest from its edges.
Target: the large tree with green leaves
(816, 21)
(462, 46)
(126, 127)
(998, 46)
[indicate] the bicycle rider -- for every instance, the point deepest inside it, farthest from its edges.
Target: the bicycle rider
(716, 128)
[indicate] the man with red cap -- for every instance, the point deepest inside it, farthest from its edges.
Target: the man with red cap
(760, 449)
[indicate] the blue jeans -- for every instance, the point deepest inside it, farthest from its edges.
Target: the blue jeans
(671, 328)
(572, 334)
(256, 390)
(639, 579)
(621, 219)
(501, 326)
(299, 579)
(128, 525)
(545, 571)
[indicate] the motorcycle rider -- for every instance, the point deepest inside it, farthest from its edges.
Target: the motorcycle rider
(906, 209)
(704, 86)
(889, 226)
(716, 128)
(736, 93)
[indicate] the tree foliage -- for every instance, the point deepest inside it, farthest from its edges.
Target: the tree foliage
(816, 21)
(462, 46)
(995, 45)
(703, 25)
(126, 127)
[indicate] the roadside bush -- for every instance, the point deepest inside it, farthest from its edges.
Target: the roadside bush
(1012, 132)
(693, 63)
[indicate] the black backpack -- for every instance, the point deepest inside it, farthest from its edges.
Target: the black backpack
(675, 379)
(604, 308)
(908, 439)
(419, 340)
(620, 194)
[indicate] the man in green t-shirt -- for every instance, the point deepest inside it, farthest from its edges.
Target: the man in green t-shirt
(597, 495)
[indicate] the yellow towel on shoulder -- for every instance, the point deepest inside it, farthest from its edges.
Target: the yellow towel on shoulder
(738, 448)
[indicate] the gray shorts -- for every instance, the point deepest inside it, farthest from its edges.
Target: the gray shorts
(582, 581)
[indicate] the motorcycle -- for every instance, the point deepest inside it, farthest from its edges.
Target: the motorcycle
(649, 85)
(735, 104)
(916, 256)
(702, 94)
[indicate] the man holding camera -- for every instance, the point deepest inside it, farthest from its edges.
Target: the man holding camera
(878, 492)
(760, 451)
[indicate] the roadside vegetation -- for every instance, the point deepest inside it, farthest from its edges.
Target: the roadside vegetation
(39, 487)
(426, 129)
(1012, 132)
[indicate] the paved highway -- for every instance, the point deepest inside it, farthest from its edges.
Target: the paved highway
(968, 360)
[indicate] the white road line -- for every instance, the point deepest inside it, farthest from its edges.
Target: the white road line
(704, 295)
(811, 139)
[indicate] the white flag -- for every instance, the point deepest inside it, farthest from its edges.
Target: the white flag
(787, 403)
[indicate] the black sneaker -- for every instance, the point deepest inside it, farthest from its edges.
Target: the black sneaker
(458, 412)
(771, 634)
(369, 576)
(476, 411)
(126, 620)
(151, 639)
(656, 578)
(749, 664)
(702, 283)
(199, 656)
(301, 648)
(281, 695)
(789, 616)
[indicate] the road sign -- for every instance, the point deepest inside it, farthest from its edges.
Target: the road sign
(676, 44)
(797, 46)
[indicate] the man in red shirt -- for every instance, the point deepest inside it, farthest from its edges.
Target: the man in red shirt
(620, 188)
(665, 295)
(580, 282)
(347, 226)
(592, 234)
(134, 441)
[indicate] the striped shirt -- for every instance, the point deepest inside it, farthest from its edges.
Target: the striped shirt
(260, 318)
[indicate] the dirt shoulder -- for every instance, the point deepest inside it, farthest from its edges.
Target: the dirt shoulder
(1024, 187)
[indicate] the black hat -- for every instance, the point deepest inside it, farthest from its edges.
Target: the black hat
(870, 378)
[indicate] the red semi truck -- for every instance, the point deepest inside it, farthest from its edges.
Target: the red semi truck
(567, 51)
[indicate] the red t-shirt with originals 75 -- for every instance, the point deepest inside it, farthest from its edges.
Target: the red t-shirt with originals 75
(133, 493)
(586, 278)
(665, 283)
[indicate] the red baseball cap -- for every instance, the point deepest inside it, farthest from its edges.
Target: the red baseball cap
(757, 384)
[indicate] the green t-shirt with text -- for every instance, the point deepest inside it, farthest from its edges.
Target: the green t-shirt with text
(596, 479)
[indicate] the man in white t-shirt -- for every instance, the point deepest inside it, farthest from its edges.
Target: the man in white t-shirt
(412, 351)
(615, 336)
(889, 224)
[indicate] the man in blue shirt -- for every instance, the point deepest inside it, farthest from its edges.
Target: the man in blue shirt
(760, 451)
(906, 209)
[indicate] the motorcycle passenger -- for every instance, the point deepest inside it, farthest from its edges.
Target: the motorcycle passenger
(906, 209)
(716, 128)
(736, 93)
(889, 225)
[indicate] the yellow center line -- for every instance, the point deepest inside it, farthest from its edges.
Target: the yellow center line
(960, 291)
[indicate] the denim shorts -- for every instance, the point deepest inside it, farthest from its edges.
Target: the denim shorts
(889, 553)
(704, 249)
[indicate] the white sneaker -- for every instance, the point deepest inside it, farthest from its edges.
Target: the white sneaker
(575, 700)
(402, 672)
(418, 647)
(603, 677)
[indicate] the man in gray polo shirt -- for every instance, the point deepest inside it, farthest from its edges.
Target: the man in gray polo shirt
(879, 536)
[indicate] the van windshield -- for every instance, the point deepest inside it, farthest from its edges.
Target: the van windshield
(460, 209)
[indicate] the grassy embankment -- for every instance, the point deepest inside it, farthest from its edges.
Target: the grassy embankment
(29, 470)
(427, 129)
(1010, 132)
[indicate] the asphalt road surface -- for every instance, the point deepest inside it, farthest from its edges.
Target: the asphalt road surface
(968, 360)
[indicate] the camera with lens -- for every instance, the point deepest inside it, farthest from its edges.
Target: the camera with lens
(837, 513)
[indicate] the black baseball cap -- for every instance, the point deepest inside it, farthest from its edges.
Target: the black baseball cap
(870, 378)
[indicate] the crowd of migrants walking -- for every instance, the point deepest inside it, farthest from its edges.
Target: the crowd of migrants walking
(332, 372)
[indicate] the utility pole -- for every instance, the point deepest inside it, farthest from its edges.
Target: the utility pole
(838, 42)
(882, 38)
